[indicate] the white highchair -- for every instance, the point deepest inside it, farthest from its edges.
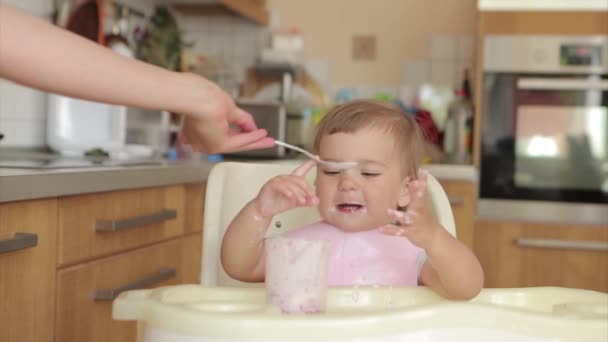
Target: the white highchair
(231, 185)
(212, 313)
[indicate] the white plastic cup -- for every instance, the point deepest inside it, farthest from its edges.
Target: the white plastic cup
(296, 274)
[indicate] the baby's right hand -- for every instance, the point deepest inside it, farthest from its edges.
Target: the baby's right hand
(287, 192)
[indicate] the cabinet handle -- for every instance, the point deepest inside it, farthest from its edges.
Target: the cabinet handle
(563, 244)
(18, 241)
(111, 294)
(455, 200)
(112, 226)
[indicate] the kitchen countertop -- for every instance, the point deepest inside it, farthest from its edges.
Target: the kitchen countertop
(24, 184)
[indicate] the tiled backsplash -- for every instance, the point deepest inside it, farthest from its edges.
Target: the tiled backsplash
(22, 118)
(234, 40)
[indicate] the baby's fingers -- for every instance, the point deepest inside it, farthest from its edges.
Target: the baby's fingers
(304, 185)
(400, 216)
(303, 193)
(303, 169)
(293, 192)
(391, 229)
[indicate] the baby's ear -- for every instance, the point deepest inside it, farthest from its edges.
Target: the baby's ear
(404, 195)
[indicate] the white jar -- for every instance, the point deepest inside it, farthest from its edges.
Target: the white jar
(75, 126)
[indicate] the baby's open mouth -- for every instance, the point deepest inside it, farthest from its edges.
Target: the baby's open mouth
(349, 207)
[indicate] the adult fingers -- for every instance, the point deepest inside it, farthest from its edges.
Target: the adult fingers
(236, 142)
(242, 119)
(261, 144)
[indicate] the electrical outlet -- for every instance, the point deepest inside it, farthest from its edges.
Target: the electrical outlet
(364, 48)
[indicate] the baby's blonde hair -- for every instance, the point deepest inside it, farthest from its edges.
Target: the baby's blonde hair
(355, 115)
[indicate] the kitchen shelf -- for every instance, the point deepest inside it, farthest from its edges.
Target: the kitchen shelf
(248, 9)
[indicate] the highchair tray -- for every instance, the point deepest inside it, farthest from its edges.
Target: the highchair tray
(188, 313)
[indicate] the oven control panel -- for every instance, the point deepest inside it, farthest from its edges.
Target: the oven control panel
(546, 54)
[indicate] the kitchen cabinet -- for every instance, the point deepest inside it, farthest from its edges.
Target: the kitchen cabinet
(542, 5)
(254, 10)
(543, 23)
(194, 206)
(101, 224)
(28, 236)
(521, 254)
(563, 23)
(84, 292)
(87, 249)
(462, 196)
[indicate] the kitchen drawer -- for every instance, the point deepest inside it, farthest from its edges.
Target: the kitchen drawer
(28, 231)
(105, 223)
(80, 317)
(520, 254)
(462, 197)
(191, 258)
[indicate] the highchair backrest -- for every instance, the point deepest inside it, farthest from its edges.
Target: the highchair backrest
(231, 185)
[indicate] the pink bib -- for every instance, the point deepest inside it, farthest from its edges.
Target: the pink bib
(366, 258)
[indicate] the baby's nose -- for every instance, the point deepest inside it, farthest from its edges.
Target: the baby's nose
(347, 183)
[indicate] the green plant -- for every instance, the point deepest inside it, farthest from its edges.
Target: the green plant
(162, 43)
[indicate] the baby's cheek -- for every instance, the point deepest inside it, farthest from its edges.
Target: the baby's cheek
(325, 209)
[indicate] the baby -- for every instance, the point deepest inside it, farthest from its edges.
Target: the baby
(375, 217)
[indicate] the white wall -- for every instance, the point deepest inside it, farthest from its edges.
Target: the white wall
(428, 41)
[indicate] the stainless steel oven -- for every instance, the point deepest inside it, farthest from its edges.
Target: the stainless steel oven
(544, 133)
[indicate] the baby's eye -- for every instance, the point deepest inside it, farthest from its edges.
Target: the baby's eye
(331, 172)
(370, 174)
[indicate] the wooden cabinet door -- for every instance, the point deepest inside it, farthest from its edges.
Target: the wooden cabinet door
(517, 254)
(97, 225)
(543, 23)
(462, 197)
(28, 246)
(84, 306)
(191, 258)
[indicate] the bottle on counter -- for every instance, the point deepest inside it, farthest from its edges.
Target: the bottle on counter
(458, 134)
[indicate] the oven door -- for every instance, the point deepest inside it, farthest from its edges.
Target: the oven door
(545, 137)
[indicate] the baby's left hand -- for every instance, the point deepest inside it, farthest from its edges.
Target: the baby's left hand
(417, 223)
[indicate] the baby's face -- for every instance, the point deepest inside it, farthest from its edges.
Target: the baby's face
(356, 199)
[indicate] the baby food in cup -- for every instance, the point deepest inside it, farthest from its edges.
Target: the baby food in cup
(296, 274)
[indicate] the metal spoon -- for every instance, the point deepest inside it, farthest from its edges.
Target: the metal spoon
(337, 165)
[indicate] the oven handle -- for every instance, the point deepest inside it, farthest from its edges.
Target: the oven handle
(561, 84)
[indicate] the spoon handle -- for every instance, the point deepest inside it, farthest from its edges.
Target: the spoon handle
(295, 148)
(338, 165)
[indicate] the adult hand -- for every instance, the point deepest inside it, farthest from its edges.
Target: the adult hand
(286, 192)
(219, 126)
(417, 223)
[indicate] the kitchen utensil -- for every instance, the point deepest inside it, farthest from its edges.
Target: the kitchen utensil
(75, 126)
(87, 21)
(337, 165)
